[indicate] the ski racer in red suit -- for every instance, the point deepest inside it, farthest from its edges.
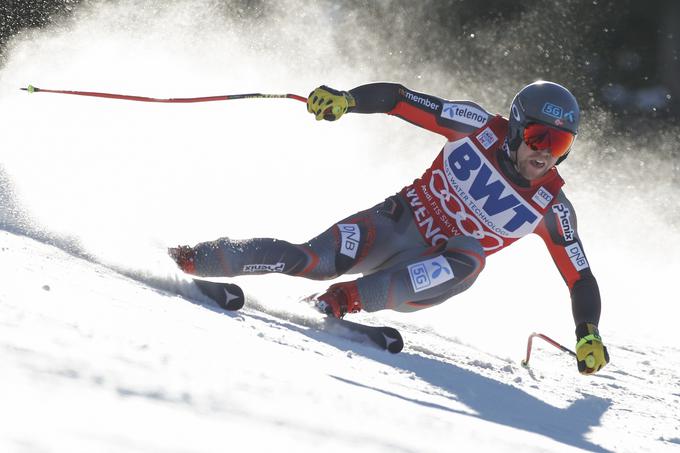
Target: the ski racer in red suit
(494, 181)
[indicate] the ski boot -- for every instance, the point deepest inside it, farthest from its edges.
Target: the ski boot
(184, 256)
(339, 299)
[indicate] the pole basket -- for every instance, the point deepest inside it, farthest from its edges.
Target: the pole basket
(525, 362)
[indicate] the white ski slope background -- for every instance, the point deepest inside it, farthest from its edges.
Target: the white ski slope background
(104, 346)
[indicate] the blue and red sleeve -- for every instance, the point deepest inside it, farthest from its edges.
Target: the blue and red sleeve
(452, 119)
(558, 231)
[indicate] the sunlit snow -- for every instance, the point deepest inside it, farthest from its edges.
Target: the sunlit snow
(104, 346)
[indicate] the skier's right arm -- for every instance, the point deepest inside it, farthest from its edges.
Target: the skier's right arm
(452, 119)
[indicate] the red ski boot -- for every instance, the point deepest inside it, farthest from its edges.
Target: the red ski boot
(339, 299)
(184, 256)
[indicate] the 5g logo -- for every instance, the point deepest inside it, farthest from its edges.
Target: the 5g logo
(553, 110)
(430, 273)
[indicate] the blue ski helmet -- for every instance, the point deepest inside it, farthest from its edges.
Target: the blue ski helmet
(545, 103)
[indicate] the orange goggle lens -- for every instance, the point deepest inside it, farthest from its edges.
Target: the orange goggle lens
(539, 137)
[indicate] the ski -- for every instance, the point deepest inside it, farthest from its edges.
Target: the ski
(230, 297)
(227, 295)
(386, 338)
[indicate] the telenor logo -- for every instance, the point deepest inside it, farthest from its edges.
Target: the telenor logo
(465, 114)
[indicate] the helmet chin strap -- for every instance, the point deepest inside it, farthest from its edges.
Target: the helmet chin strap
(511, 151)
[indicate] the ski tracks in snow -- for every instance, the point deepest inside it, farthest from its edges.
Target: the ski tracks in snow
(74, 330)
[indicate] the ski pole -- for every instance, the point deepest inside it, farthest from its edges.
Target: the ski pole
(227, 97)
(525, 362)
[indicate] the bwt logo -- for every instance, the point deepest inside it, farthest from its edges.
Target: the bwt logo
(503, 210)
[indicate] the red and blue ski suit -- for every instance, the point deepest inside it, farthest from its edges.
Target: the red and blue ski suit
(429, 242)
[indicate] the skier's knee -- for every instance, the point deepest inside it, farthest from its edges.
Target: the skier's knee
(340, 248)
(436, 295)
(438, 278)
(466, 256)
(353, 243)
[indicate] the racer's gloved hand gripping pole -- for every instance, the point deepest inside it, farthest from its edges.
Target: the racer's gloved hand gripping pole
(591, 353)
(329, 104)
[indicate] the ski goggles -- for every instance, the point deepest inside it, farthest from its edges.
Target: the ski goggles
(540, 136)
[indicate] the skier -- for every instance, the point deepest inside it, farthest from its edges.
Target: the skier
(494, 181)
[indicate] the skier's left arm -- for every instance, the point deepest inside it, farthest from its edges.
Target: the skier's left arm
(558, 229)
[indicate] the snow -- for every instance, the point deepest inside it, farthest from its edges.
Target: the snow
(105, 347)
(93, 360)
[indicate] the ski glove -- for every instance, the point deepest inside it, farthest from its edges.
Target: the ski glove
(591, 354)
(329, 104)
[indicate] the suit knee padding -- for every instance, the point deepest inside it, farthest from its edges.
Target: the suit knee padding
(466, 256)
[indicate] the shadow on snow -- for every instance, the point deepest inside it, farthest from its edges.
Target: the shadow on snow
(491, 400)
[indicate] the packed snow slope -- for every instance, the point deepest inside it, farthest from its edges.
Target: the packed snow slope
(104, 346)
(96, 361)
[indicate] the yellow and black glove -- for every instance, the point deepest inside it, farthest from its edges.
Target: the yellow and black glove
(329, 104)
(591, 354)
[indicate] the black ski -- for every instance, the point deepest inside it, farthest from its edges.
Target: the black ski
(387, 338)
(227, 295)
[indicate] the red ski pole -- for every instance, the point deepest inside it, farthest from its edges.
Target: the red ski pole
(525, 362)
(226, 97)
